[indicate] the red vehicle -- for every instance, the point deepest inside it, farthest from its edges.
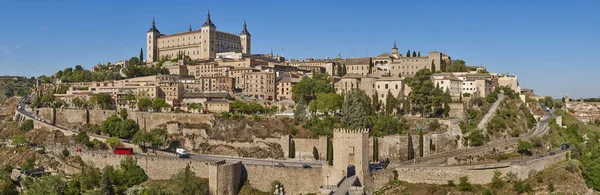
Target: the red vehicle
(123, 151)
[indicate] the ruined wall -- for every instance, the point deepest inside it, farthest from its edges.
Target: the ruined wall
(478, 174)
(304, 147)
(294, 180)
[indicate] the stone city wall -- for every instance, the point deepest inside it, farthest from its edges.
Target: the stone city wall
(478, 174)
(155, 167)
(396, 146)
(147, 120)
(294, 180)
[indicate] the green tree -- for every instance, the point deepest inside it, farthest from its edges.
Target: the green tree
(186, 183)
(345, 69)
(354, 110)
(141, 54)
(476, 138)
(419, 55)
(497, 181)
(384, 125)
(142, 138)
(159, 137)
(133, 61)
(112, 141)
(300, 112)
(390, 103)
(411, 150)
(144, 103)
(456, 66)
(307, 89)
(420, 143)
(425, 98)
(432, 66)
(47, 185)
(464, 184)
(106, 185)
(102, 100)
(340, 72)
(408, 53)
(375, 149)
(371, 65)
(313, 107)
(123, 113)
(158, 104)
(292, 152)
(27, 125)
(329, 102)
(239, 107)
(131, 100)
(127, 129)
(315, 153)
(375, 104)
(524, 147)
(414, 54)
(329, 151)
(19, 140)
(130, 173)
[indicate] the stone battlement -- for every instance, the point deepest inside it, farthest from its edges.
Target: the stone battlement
(351, 131)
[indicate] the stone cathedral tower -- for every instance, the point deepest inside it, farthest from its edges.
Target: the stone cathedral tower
(152, 43)
(245, 39)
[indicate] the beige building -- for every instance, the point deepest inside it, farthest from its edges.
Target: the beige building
(284, 87)
(204, 43)
(208, 84)
(448, 82)
(217, 106)
(208, 70)
(383, 85)
(509, 80)
(260, 85)
(238, 76)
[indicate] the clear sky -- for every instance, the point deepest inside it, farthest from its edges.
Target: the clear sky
(551, 45)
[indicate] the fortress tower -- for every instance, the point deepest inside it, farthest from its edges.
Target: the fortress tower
(350, 157)
(204, 43)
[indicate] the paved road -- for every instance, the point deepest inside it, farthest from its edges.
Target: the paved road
(540, 129)
(202, 157)
(490, 113)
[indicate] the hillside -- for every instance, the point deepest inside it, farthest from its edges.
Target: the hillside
(10, 88)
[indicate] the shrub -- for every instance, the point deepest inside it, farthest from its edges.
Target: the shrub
(27, 125)
(65, 152)
(28, 165)
(464, 184)
(497, 182)
(550, 187)
(487, 192)
(521, 187)
(82, 138)
(396, 176)
(226, 115)
(315, 153)
(451, 183)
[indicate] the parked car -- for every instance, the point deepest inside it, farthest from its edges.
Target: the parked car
(184, 156)
(306, 166)
(278, 164)
(552, 153)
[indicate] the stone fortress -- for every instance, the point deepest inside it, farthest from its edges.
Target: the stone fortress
(204, 43)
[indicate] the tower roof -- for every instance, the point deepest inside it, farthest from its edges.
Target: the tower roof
(394, 45)
(208, 21)
(153, 28)
(245, 30)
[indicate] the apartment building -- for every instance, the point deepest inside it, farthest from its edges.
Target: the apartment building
(208, 84)
(284, 87)
(260, 85)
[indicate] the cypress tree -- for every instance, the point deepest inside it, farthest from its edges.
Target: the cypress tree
(370, 65)
(141, 54)
(375, 149)
(340, 72)
(432, 67)
(411, 150)
(408, 53)
(292, 149)
(414, 54)
(329, 151)
(315, 153)
(345, 69)
(420, 143)
(419, 54)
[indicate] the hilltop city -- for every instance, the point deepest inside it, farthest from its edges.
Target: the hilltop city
(197, 112)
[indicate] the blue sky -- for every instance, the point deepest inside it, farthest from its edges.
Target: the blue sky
(551, 45)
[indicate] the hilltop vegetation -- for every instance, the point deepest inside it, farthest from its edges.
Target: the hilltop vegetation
(10, 88)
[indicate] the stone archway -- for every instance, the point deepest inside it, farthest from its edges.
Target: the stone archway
(351, 170)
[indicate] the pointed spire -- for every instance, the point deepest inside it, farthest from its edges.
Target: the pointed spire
(245, 30)
(153, 28)
(394, 45)
(190, 28)
(208, 21)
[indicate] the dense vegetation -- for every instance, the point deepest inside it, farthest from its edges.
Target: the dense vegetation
(79, 74)
(10, 88)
